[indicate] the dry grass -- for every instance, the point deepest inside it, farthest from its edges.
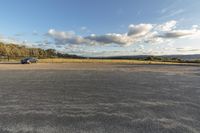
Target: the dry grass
(100, 61)
(106, 61)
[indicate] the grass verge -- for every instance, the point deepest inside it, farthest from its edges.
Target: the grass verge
(106, 61)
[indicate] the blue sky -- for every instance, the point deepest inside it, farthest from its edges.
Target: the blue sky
(103, 27)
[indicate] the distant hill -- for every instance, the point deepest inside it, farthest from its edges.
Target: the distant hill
(185, 57)
(181, 57)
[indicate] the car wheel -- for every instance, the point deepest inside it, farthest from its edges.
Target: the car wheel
(28, 62)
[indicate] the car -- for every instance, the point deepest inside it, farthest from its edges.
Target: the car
(29, 60)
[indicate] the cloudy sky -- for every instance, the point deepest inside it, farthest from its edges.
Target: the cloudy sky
(103, 27)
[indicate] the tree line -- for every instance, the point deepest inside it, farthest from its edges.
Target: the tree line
(17, 51)
(14, 51)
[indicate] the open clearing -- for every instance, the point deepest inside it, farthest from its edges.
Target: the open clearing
(98, 98)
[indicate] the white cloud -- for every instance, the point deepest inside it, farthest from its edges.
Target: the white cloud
(195, 27)
(139, 30)
(187, 49)
(168, 26)
(14, 40)
(170, 12)
(141, 47)
(63, 38)
(60, 35)
(136, 34)
(121, 39)
(178, 33)
(175, 12)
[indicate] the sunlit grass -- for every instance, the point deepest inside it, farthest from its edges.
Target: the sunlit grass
(100, 61)
(106, 61)
(10, 60)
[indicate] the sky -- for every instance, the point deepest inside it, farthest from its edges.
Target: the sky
(103, 27)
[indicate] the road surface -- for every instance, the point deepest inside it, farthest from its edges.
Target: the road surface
(99, 98)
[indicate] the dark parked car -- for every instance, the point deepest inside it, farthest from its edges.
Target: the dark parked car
(29, 60)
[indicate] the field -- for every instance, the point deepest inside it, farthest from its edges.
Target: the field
(104, 61)
(99, 98)
(107, 61)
